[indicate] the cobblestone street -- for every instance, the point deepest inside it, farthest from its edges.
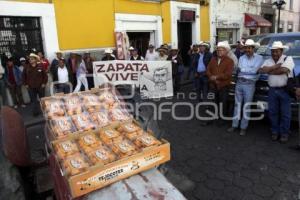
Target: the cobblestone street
(227, 166)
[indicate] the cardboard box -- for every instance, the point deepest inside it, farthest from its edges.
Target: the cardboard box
(97, 177)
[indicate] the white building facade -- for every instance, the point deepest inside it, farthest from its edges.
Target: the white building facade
(234, 19)
(290, 17)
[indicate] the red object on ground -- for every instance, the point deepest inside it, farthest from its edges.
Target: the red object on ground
(14, 138)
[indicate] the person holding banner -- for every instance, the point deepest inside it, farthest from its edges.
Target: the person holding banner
(108, 55)
(162, 54)
(81, 75)
(176, 60)
(134, 54)
(151, 54)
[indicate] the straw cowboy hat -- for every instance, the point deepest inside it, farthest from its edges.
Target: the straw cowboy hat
(204, 44)
(251, 43)
(108, 51)
(224, 45)
(163, 49)
(278, 45)
(34, 56)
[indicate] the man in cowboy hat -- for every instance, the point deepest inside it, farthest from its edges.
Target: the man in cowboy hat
(134, 54)
(151, 54)
(176, 60)
(108, 55)
(279, 68)
(219, 72)
(202, 60)
(162, 53)
(35, 79)
(245, 85)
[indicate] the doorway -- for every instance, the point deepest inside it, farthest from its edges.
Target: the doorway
(19, 35)
(184, 40)
(139, 40)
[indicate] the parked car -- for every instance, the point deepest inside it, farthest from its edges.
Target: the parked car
(292, 40)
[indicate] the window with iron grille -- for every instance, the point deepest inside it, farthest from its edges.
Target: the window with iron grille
(20, 35)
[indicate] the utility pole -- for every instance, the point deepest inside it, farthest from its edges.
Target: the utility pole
(279, 4)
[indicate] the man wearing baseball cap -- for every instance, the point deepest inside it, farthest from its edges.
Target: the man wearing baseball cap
(279, 68)
(245, 85)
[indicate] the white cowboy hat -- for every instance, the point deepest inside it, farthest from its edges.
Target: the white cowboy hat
(224, 45)
(34, 56)
(108, 51)
(131, 48)
(251, 43)
(22, 59)
(278, 45)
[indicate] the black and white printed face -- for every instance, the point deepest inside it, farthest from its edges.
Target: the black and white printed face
(160, 76)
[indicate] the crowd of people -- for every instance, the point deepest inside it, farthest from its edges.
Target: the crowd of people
(211, 73)
(213, 78)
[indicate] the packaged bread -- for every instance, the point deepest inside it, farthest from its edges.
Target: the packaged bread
(123, 148)
(88, 142)
(75, 164)
(130, 130)
(102, 155)
(128, 127)
(83, 122)
(108, 97)
(119, 114)
(91, 102)
(109, 136)
(100, 118)
(53, 107)
(62, 126)
(73, 104)
(66, 148)
(146, 140)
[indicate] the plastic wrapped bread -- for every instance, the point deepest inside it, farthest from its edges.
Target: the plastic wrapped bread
(62, 127)
(91, 102)
(53, 107)
(100, 118)
(119, 114)
(123, 148)
(75, 164)
(146, 140)
(102, 155)
(66, 148)
(130, 130)
(109, 136)
(73, 104)
(88, 142)
(83, 122)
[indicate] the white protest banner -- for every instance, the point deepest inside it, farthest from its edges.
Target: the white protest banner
(157, 81)
(153, 77)
(118, 72)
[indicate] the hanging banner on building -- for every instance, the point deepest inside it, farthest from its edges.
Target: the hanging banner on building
(153, 77)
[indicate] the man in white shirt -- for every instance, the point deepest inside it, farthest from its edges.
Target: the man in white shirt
(151, 54)
(279, 68)
(63, 77)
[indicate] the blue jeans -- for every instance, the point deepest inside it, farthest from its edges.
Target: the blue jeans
(243, 94)
(202, 86)
(279, 111)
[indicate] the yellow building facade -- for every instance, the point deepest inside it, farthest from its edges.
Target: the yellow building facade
(91, 24)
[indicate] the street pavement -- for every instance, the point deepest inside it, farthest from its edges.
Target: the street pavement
(220, 165)
(227, 166)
